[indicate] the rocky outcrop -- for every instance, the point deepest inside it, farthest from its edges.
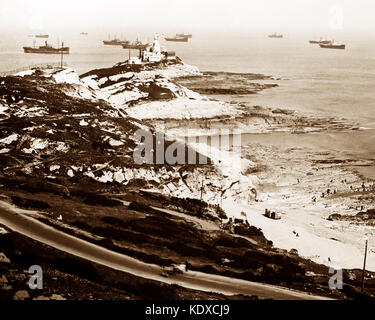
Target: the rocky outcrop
(58, 129)
(227, 83)
(4, 258)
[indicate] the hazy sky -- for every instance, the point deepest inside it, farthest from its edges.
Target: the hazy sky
(275, 15)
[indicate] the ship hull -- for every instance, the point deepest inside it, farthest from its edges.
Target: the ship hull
(111, 43)
(329, 46)
(65, 50)
(319, 42)
(43, 36)
(134, 46)
(177, 39)
(189, 36)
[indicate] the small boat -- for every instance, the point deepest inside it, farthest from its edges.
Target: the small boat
(177, 39)
(332, 45)
(275, 35)
(184, 35)
(47, 49)
(44, 36)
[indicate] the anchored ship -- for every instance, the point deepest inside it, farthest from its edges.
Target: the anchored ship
(184, 35)
(275, 35)
(177, 39)
(134, 44)
(45, 36)
(47, 49)
(114, 42)
(320, 41)
(332, 45)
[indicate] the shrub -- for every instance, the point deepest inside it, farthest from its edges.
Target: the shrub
(29, 203)
(95, 199)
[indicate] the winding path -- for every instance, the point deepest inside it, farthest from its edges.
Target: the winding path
(18, 221)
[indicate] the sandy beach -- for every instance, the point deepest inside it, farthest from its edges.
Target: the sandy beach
(291, 172)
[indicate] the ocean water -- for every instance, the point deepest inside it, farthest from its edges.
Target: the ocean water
(334, 82)
(338, 82)
(326, 82)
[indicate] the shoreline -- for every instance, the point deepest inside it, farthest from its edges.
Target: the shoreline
(332, 245)
(270, 171)
(318, 230)
(172, 117)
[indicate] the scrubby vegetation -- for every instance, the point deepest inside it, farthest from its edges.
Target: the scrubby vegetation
(154, 236)
(69, 277)
(70, 156)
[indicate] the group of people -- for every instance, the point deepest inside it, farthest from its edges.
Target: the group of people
(362, 188)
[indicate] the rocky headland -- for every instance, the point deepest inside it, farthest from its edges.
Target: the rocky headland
(67, 146)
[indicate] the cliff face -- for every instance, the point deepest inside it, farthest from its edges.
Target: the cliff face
(150, 92)
(61, 129)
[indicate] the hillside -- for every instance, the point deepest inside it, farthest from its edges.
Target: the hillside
(67, 146)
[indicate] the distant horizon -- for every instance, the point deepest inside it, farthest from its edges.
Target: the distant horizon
(134, 31)
(190, 16)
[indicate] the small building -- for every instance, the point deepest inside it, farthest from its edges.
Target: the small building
(149, 56)
(272, 214)
(170, 55)
(153, 53)
(135, 60)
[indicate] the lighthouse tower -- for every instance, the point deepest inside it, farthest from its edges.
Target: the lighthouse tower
(153, 53)
(156, 45)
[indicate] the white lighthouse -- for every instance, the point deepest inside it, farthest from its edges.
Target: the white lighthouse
(153, 53)
(156, 45)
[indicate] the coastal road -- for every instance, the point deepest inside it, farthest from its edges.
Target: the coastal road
(19, 221)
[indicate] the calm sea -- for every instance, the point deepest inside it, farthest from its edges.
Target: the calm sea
(327, 82)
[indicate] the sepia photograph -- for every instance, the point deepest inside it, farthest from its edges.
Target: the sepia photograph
(175, 151)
